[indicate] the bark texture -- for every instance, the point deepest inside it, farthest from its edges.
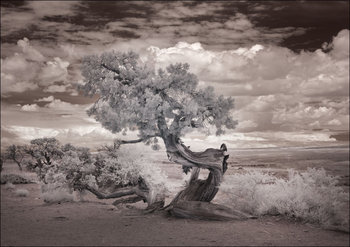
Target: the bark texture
(194, 200)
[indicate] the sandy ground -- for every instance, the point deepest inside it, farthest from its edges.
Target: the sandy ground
(28, 221)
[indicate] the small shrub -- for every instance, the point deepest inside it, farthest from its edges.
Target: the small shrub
(22, 192)
(57, 190)
(57, 195)
(312, 196)
(14, 179)
(9, 186)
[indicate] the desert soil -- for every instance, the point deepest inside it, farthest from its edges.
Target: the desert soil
(28, 221)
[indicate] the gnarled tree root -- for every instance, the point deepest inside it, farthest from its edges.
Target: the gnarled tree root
(205, 211)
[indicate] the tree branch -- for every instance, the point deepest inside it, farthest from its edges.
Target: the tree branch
(170, 100)
(117, 72)
(137, 140)
(121, 192)
(110, 69)
(131, 199)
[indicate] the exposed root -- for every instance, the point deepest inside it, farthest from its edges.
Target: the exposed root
(205, 211)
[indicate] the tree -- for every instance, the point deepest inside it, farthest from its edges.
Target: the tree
(43, 151)
(163, 104)
(77, 169)
(15, 153)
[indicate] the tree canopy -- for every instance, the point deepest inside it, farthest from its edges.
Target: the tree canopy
(133, 96)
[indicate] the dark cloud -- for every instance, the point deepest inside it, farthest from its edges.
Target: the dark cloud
(294, 24)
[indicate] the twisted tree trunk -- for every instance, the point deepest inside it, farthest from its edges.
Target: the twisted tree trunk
(194, 200)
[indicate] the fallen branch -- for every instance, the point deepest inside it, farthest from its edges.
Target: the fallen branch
(119, 193)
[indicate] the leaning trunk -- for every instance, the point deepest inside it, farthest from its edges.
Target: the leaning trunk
(194, 200)
(215, 160)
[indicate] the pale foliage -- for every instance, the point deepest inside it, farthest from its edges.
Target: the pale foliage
(56, 188)
(22, 192)
(106, 171)
(44, 149)
(312, 196)
(10, 186)
(53, 193)
(155, 178)
(15, 153)
(132, 96)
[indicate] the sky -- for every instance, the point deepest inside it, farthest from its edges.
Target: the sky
(286, 64)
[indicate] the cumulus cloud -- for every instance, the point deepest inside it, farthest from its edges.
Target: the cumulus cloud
(56, 118)
(10, 84)
(46, 99)
(340, 45)
(32, 107)
(58, 104)
(302, 115)
(29, 52)
(335, 122)
(272, 68)
(29, 69)
(53, 71)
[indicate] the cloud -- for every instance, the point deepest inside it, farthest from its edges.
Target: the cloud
(46, 99)
(30, 133)
(19, 71)
(262, 103)
(29, 69)
(31, 14)
(303, 116)
(13, 20)
(238, 22)
(305, 137)
(246, 125)
(56, 89)
(182, 10)
(59, 105)
(340, 45)
(239, 65)
(53, 71)
(29, 52)
(263, 69)
(335, 122)
(53, 8)
(32, 107)
(9, 85)
(57, 118)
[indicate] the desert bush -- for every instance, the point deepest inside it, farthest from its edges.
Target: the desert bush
(10, 186)
(56, 192)
(312, 196)
(15, 153)
(22, 192)
(14, 179)
(107, 170)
